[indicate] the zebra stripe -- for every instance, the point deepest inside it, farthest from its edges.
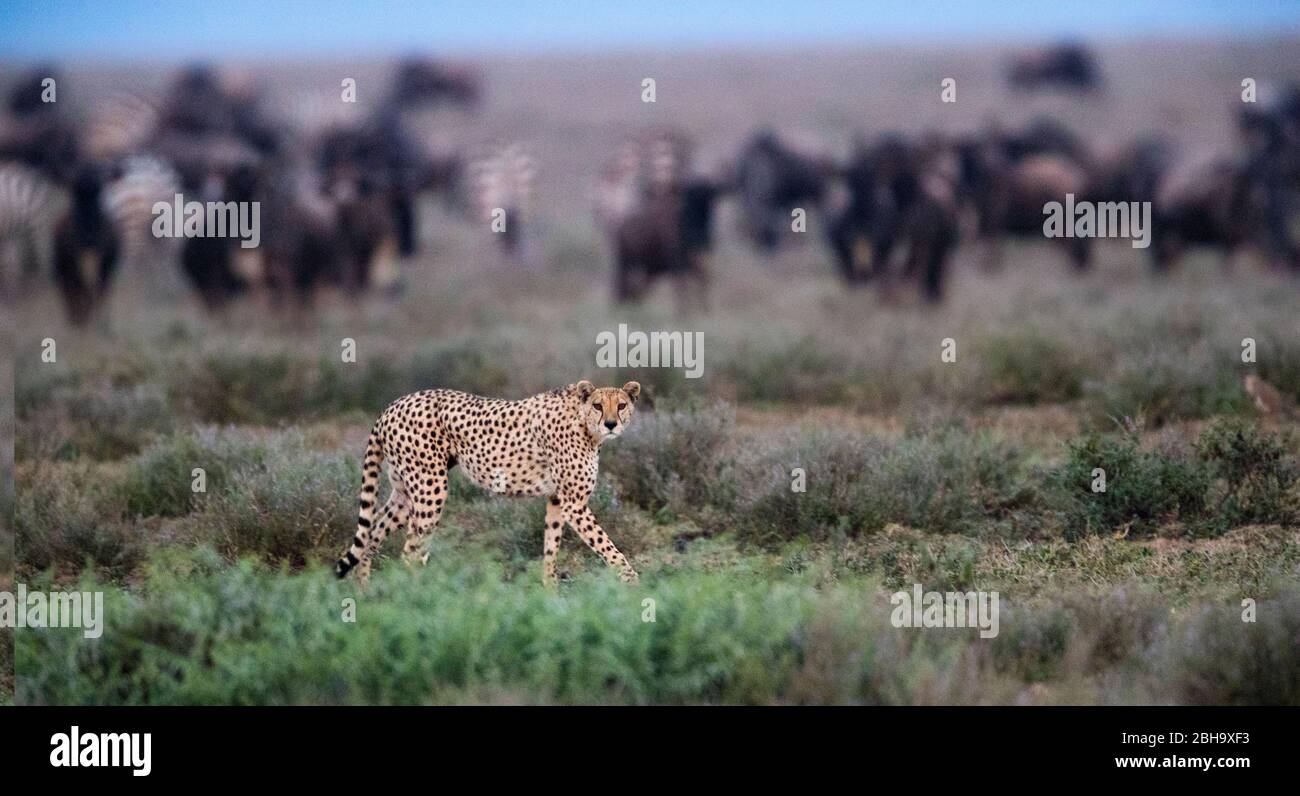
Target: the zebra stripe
(651, 164)
(30, 207)
(120, 125)
(503, 179)
(29, 203)
(128, 202)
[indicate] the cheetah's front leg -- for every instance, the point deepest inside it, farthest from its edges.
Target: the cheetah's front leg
(551, 539)
(584, 523)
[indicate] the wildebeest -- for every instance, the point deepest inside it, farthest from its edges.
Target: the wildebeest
(414, 166)
(217, 266)
(73, 230)
(902, 196)
(1211, 199)
(342, 196)
(39, 134)
(369, 229)
(85, 248)
(1272, 122)
(1068, 65)
(668, 234)
(381, 149)
(1016, 206)
(1043, 135)
(420, 81)
(366, 172)
(1130, 173)
(338, 203)
(206, 138)
(659, 217)
(1270, 130)
(772, 179)
(200, 103)
(302, 249)
(214, 131)
(1006, 180)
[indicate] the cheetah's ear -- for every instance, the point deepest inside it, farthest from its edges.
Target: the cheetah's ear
(633, 390)
(585, 389)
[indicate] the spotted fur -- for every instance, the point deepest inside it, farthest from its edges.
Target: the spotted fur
(544, 446)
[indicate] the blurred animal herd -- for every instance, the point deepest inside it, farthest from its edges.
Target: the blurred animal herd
(339, 189)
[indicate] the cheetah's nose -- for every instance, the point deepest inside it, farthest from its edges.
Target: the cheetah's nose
(610, 424)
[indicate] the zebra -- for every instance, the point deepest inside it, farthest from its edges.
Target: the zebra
(657, 212)
(122, 125)
(142, 181)
(30, 207)
(501, 184)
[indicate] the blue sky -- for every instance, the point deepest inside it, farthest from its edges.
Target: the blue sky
(133, 29)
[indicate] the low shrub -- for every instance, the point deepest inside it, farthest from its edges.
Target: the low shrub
(1216, 658)
(71, 516)
(804, 371)
(265, 388)
(1026, 368)
(1142, 490)
(944, 482)
(1234, 475)
(6, 666)
(97, 423)
(160, 481)
(1162, 386)
(676, 461)
(1256, 476)
(294, 508)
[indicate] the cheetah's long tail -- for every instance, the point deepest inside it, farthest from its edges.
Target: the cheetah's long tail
(370, 468)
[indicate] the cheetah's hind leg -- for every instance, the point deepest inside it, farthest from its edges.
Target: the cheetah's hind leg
(428, 494)
(394, 517)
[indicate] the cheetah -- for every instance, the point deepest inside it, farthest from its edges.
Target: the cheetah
(544, 446)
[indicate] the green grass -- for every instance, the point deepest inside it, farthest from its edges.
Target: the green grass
(761, 595)
(200, 631)
(289, 496)
(6, 666)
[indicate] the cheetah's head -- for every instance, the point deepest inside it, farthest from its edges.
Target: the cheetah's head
(606, 411)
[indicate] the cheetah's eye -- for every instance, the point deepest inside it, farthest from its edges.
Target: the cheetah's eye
(621, 407)
(596, 406)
